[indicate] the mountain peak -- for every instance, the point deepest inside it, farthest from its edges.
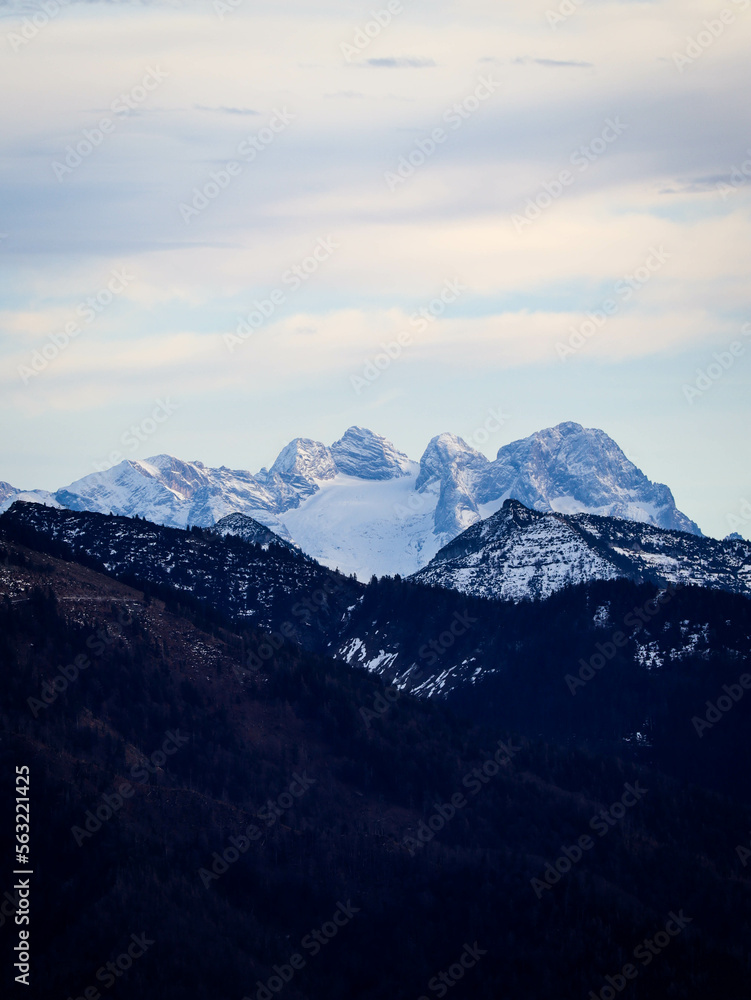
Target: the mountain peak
(305, 458)
(568, 427)
(365, 455)
(445, 457)
(515, 509)
(250, 530)
(182, 477)
(521, 554)
(571, 469)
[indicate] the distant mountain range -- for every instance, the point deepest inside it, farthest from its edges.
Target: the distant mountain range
(364, 507)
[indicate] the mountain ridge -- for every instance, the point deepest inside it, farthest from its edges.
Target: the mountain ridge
(363, 506)
(522, 554)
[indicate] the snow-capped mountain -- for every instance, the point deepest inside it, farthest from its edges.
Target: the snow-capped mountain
(358, 453)
(168, 491)
(9, 494)
(522, 554)
(363, 506)
(305, 459)
(568, 468)
(365, 455)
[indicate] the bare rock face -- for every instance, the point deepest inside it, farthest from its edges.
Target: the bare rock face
(365, 455)
(306, 459)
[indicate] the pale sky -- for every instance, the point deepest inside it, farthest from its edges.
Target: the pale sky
(172, 164)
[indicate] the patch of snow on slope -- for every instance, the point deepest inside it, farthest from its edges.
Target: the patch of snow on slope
(366, 527)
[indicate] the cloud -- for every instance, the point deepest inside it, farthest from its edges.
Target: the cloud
(402, 62)
(226, 110)
(325, 173)
(554, 63)
(701, 185)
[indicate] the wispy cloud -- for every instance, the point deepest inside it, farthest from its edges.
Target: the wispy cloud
(554, 63)
(697, 185)
(224, 110)
(400, 62)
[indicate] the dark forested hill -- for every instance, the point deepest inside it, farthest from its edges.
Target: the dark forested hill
(617, 666)
(292, 831)
(270, 586)
(622, 667)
